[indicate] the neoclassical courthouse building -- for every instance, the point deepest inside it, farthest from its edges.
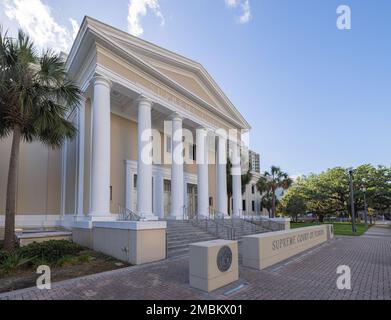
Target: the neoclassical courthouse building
(130, 86)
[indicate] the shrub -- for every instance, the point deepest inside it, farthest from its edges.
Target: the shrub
(13, 261)
(3, 256)
(50, 251)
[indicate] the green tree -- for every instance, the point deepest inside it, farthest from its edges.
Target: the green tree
(271, 181)
(293, 204)
(267, 202)
(35, 98)
(328, 192)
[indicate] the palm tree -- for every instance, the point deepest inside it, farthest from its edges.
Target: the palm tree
(267, 202)
(271, 181)
(36, 97)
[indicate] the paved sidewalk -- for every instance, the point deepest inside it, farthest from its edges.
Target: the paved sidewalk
(311, 275)
(380, 230)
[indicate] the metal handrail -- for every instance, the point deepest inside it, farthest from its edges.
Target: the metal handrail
(125, 214)
(184, 213)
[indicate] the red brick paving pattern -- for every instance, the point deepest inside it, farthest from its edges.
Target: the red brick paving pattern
(311, 275)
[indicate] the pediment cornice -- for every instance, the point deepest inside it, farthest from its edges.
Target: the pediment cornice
(134, 49)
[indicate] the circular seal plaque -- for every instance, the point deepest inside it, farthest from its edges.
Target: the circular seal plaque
(224, 259)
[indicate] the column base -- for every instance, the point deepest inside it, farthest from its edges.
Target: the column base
(101, 217)
(148, 217)
(87, 221)
(174, 217)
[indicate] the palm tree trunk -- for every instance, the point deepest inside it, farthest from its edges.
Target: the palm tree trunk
(10, 208)
(274, 204)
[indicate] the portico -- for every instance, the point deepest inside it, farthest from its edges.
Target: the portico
(147, 141)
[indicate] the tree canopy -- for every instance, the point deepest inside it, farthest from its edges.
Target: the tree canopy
(328, 192)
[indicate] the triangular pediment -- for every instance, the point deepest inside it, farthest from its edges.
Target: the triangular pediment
(187, 74)
(188, 79)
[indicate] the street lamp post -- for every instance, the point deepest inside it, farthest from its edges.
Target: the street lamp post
(352, 200)
(365, 207)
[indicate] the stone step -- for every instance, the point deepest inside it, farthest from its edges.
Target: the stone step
(189, 241)
(180, 234)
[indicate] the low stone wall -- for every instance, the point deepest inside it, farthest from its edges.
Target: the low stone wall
(264, 250)
(135, 242)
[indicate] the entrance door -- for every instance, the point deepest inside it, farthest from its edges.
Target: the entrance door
(192, 200)
(167, 198)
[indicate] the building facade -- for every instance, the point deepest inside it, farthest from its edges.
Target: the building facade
(255, 161)
(131, 87)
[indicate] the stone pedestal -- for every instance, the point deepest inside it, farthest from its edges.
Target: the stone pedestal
(213, 264)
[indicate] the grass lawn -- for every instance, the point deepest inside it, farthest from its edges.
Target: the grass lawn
(340, 228)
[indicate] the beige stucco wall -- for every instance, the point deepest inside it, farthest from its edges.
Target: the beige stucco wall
(133, 246)
(71, 175)
(39, 178)
(123, 147)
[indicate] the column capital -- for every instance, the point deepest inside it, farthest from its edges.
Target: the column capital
(143, 99)
(99, 79)
(176, 116)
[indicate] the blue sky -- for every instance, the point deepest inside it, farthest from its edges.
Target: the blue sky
(316, 97)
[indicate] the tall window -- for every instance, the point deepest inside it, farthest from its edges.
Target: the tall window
(135, 181)
(253, 189)
(253, 206)
(168, 144)
(192, 152)
(244, 205)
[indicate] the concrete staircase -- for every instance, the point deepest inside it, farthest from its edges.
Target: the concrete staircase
(235, 229)
(182, 233)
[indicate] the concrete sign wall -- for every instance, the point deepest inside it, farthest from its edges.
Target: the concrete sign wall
(213, 264)
(263, 250)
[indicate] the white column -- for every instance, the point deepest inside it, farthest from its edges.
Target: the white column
(236, 180)
(81, 146)
(144, 162)
(202, 172)
(177, 181)
(159, 195)
(100, 160)
(221, 180)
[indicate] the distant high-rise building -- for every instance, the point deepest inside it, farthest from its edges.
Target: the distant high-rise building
(254, 160)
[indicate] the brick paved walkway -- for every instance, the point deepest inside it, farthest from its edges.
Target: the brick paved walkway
(311, 275)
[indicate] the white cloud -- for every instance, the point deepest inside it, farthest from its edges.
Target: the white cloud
(138, 9)
(36, 18)
(244, 6)
(75, 28)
